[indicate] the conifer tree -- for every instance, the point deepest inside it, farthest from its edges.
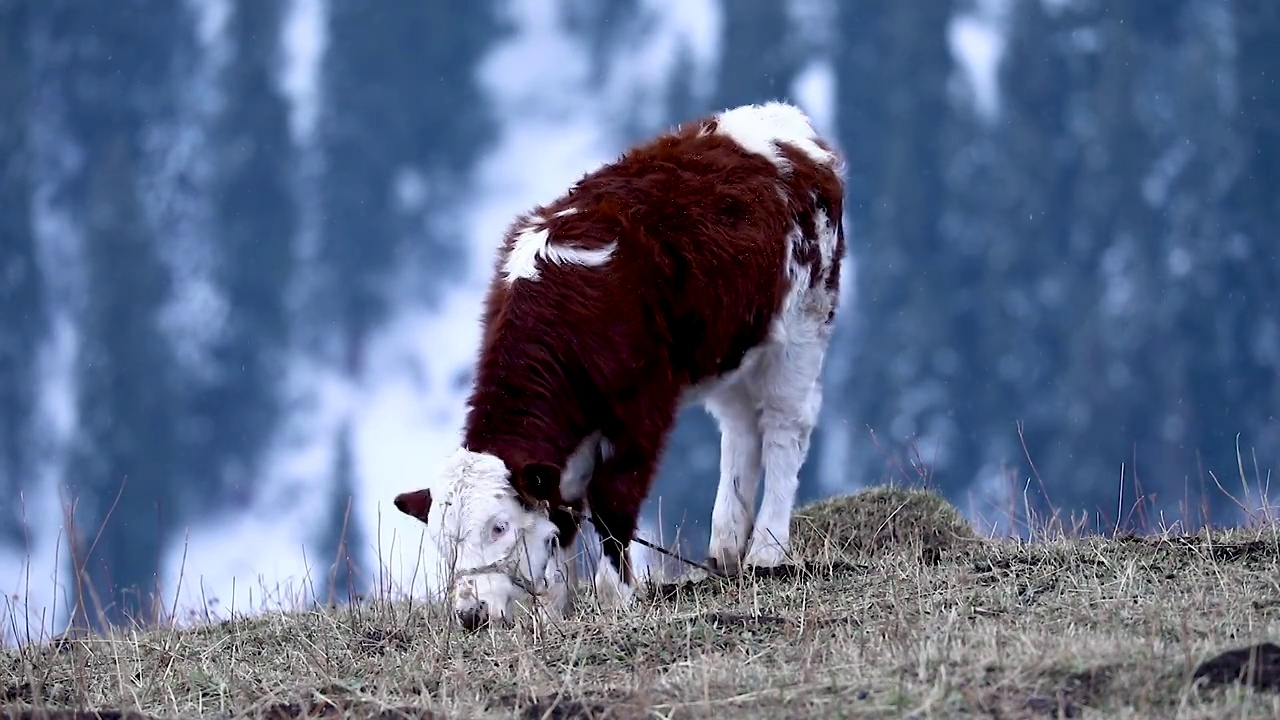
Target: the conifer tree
(894, 64)
(402, 110)
(22, 311)
(118, 66)
(255, 219)
(122, 471)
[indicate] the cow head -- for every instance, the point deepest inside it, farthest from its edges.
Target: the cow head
(498, 541)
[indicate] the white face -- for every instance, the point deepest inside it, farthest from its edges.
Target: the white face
(496, 545)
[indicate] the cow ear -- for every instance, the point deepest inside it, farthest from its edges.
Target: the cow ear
(415, 504)
(540, 481)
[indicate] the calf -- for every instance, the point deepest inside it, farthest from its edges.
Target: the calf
(702, 266)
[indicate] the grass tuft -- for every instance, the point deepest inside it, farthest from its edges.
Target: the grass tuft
(880, 519)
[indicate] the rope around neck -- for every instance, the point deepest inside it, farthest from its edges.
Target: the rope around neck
(509, 566)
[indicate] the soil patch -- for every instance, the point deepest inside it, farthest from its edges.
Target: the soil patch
(742, 620)
(1058, 694)
(1254, 551)
(22, 692)
(700, 584)
(53, 714)
(567, 707)
(327, 709)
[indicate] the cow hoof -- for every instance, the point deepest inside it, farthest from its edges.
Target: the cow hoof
(766, 555)
(611, 591)
(728, 566)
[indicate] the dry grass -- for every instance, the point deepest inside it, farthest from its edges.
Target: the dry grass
(897, 610)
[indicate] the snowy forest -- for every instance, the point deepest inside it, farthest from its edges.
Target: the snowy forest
(243, 246)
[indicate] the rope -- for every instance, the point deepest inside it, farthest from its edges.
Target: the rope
(579, 516)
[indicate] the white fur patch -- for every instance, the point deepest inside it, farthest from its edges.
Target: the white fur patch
(534, 243)
(758, 127)
(582, 463)
(475, 482)
(579, 467)
(826, 238)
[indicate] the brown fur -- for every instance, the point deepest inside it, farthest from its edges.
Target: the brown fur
(697, 277)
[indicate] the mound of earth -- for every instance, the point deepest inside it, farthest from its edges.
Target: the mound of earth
(880, 519)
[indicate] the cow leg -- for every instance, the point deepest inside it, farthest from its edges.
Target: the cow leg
(614, 519)
(615, 496)
(735, 409)
(791, 395)
(554, 603)
(561, 572)
(619, 488)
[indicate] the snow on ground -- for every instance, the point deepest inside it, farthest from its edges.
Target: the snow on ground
(36, 585)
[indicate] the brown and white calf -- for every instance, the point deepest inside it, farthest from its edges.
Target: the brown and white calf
(701, 266)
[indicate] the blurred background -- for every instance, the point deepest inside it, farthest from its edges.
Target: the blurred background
(243, 246)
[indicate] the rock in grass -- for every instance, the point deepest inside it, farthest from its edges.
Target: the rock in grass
(1256, 666)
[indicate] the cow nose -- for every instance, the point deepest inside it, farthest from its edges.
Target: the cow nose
(474, 617)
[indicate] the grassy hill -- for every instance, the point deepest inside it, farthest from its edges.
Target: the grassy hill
(898, 610)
